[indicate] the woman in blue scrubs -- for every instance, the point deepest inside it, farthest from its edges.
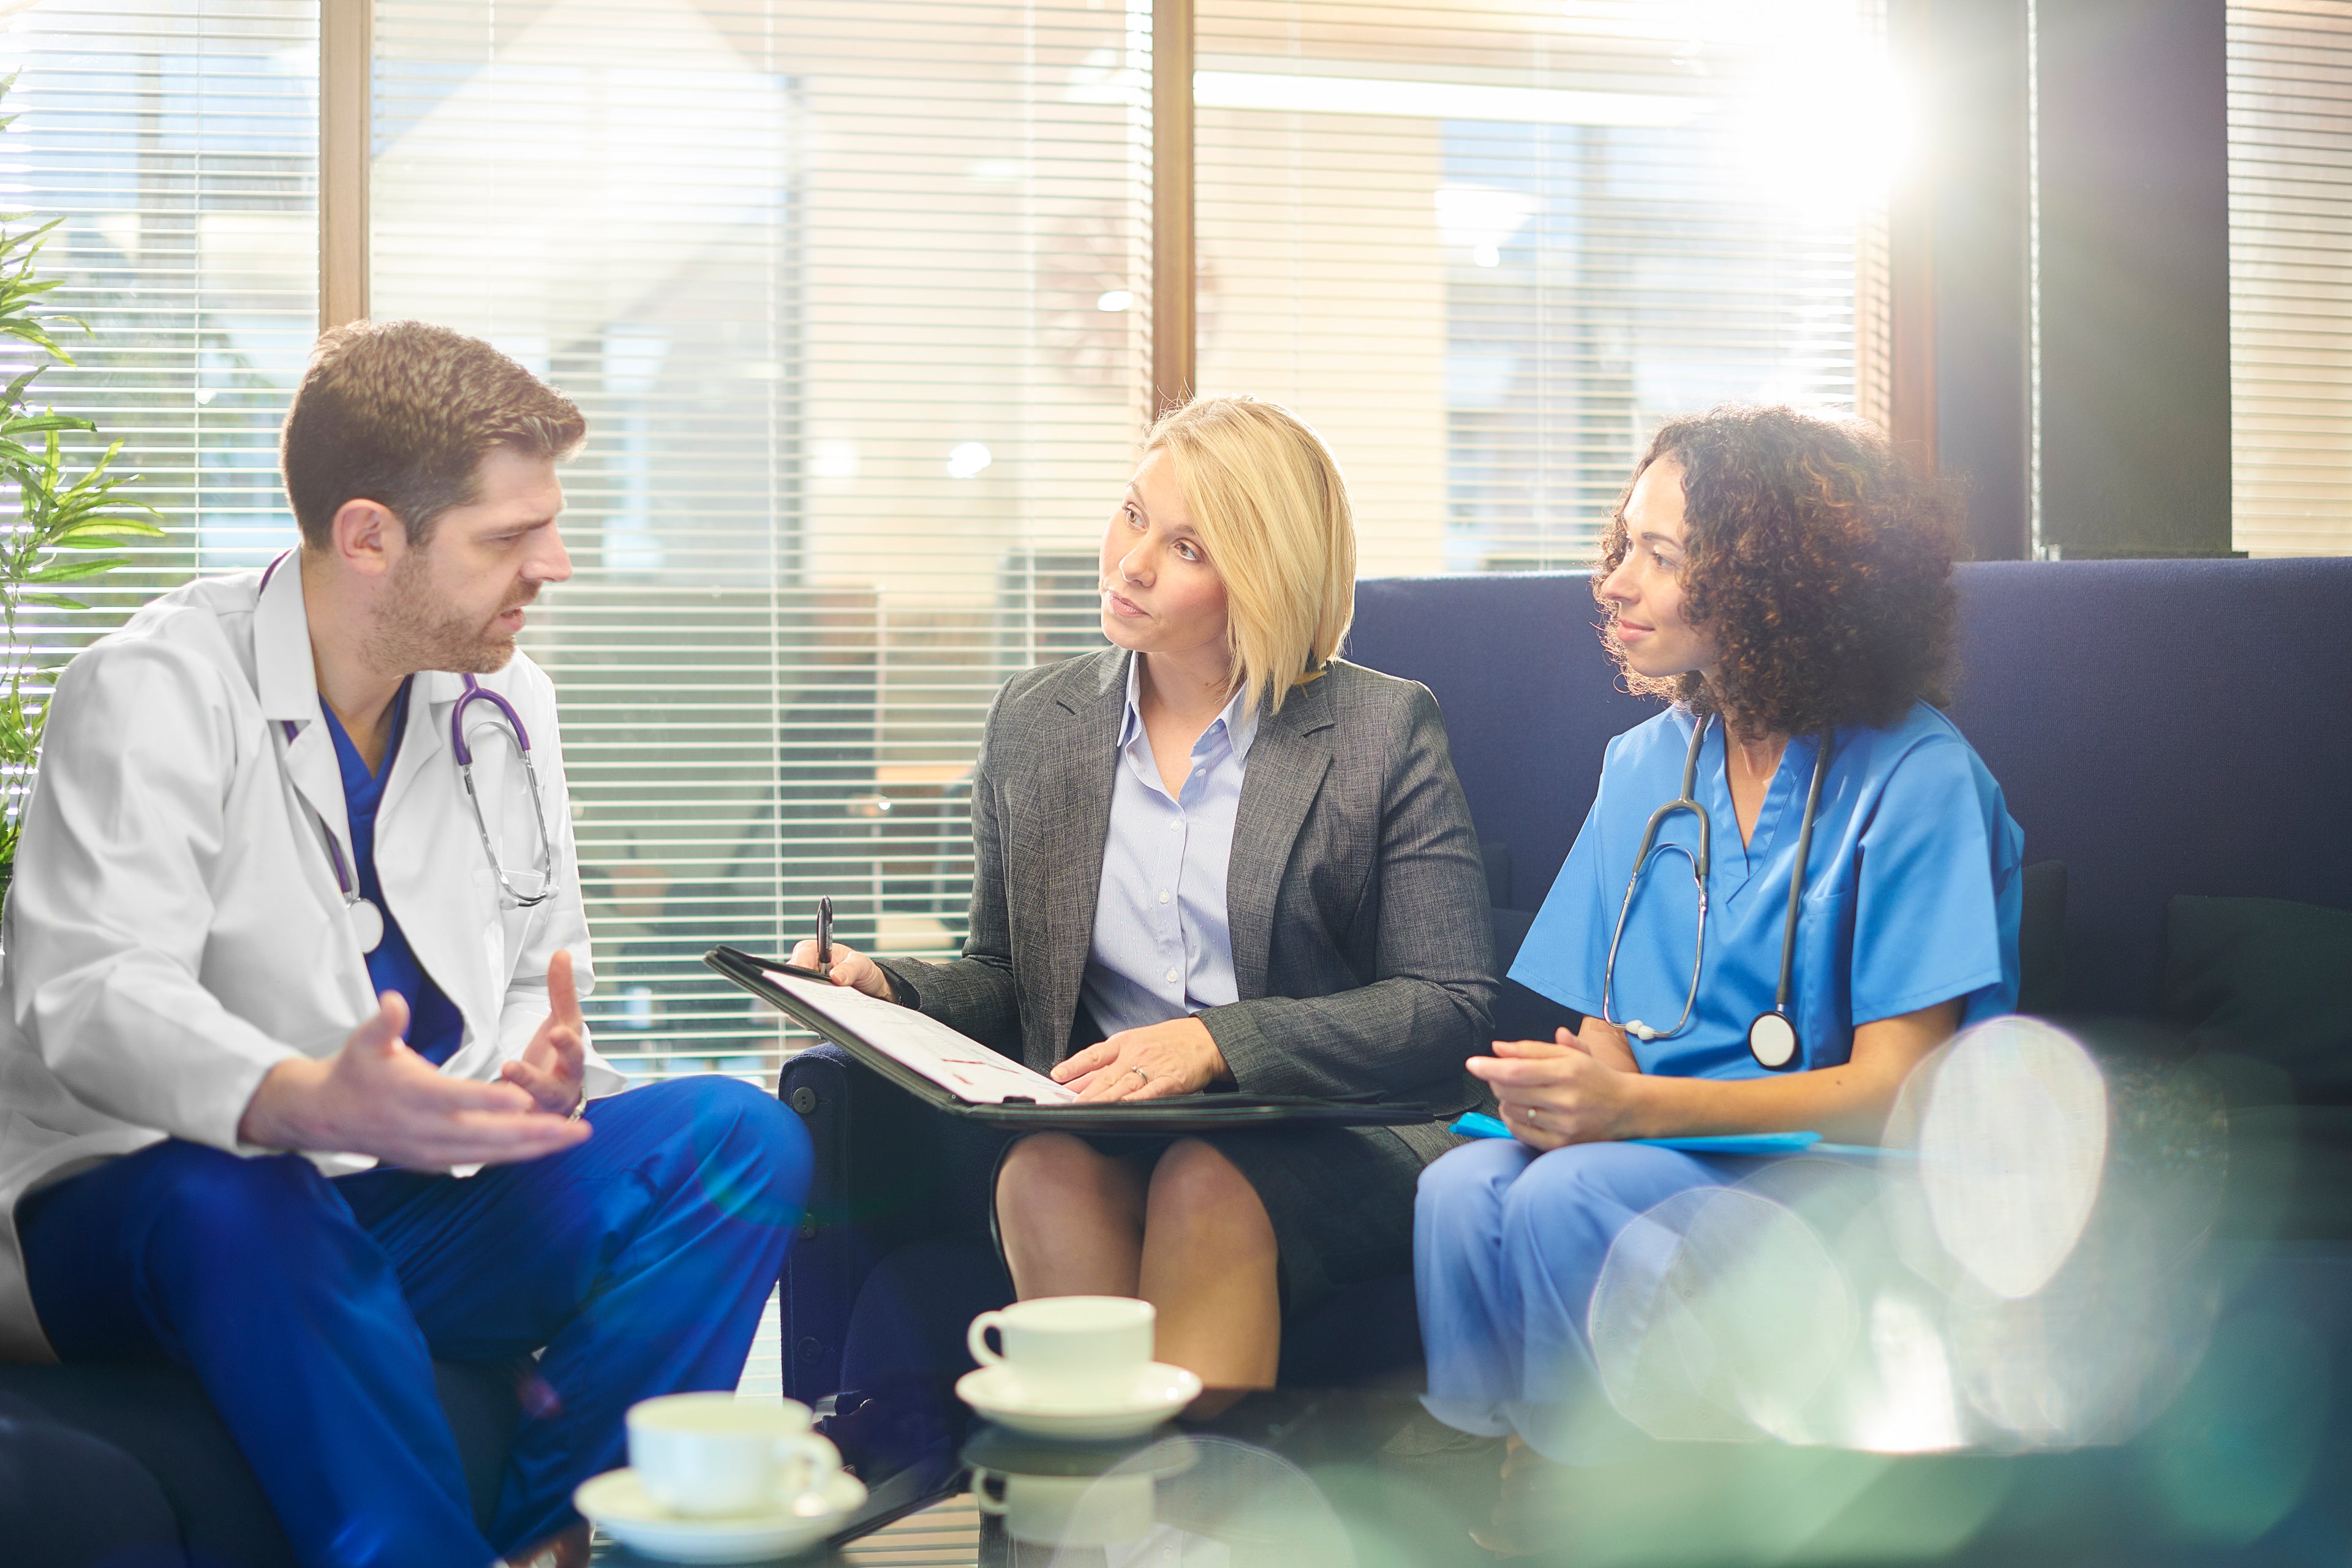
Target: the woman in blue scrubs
(1784, 581)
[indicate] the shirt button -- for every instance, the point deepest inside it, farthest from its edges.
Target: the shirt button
(1197, 772)
(1164, 895)
(1171, 977)
(1174, 826)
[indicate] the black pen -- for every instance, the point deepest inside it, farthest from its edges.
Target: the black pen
(824, 934)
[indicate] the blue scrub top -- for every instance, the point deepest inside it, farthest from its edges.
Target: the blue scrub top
(435, 1027)
(1912, 897)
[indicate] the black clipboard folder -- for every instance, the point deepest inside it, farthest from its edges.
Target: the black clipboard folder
(1176, 1113)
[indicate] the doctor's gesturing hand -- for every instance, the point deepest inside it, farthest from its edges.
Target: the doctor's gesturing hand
(553, 1065)
(377, 1097)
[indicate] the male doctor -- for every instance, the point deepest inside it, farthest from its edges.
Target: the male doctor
(272, 994)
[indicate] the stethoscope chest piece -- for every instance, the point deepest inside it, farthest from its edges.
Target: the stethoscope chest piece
(1772, 1040)
(367, 924)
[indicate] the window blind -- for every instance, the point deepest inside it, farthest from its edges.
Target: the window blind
(2290, 118)
(855, 296)
(852, 293)
(1484, 249)
(178, 141)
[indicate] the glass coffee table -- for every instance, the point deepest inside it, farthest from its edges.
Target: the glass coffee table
(1365, 1478)
(1287, 1477)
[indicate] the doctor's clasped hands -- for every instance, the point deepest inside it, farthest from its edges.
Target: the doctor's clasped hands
(1572, 1088)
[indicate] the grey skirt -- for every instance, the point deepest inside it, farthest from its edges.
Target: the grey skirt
(1341, 1199)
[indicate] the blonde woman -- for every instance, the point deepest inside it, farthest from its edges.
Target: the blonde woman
(1214, 855)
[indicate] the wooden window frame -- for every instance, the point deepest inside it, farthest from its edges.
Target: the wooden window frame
(346, 50)
(346, 65)
(1174, 336)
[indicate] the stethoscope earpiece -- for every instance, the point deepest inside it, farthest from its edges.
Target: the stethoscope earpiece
(1640, 1031)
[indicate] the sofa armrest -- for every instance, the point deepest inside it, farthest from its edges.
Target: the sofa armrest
(874, 1185)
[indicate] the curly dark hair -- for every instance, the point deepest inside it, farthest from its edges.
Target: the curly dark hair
(1818, 562)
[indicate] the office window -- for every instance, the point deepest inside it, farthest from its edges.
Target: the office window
(179, 143)
(853, 295)
(2290, 298)
(1487, 248)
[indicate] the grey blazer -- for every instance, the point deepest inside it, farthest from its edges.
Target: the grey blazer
(1363, 952)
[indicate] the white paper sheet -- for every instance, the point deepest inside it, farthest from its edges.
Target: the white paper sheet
(956, 1062)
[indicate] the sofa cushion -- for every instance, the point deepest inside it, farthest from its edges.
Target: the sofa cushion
(2041, 940)
(158, 1417)
(2265, 978)
(70, 1500)
(2060, 663)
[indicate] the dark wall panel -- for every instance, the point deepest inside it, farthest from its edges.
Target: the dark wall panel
(1975, 75)
(2134, 272)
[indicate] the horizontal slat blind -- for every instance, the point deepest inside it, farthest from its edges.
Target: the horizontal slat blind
(179, 141)
(2290, 294)
(851, 292)
(1486, 248)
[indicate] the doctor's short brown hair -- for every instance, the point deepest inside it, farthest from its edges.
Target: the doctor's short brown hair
(402, 414)
(1817, 560)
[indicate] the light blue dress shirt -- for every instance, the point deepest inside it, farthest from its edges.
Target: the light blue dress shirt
(1163, 946)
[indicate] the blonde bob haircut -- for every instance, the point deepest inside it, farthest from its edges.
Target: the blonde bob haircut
(1268, 502)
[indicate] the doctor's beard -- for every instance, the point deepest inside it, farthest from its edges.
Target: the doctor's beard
(419, 629)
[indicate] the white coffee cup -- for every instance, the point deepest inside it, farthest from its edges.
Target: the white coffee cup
(1086, 1512)
(1081, 1348)
(706, 1454)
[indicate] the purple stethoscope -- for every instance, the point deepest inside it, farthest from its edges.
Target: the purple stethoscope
(367, 919)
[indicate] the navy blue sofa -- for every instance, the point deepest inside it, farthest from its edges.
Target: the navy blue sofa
(130, 1466)
(2159, 727)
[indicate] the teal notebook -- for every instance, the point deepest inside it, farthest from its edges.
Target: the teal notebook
(1477, 1124)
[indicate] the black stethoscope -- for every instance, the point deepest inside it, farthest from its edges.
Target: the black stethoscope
(1773, 1037)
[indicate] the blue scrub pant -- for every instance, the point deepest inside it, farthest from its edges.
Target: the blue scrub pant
(1507, 1245)
(311, 1309)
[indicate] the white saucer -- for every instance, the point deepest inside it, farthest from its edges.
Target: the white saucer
(616, 1502)
(1159, 1392)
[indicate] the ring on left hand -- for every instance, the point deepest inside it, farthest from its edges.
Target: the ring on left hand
(1141, 1074)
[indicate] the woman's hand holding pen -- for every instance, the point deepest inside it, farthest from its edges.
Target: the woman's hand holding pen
(1180, 1056)
(849, 967)
(1572, 1088)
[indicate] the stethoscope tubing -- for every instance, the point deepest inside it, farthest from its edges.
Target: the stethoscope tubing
(1797, 879)
(1701, 864)
(475, 691)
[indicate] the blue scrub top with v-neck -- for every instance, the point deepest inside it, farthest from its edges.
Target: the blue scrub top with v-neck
(1913, 894)
(435, 1027)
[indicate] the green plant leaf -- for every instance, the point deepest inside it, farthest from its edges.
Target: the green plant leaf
(65, 503)
(55, 571)
(104, 533)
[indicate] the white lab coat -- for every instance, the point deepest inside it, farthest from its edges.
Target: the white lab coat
(175, 928)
